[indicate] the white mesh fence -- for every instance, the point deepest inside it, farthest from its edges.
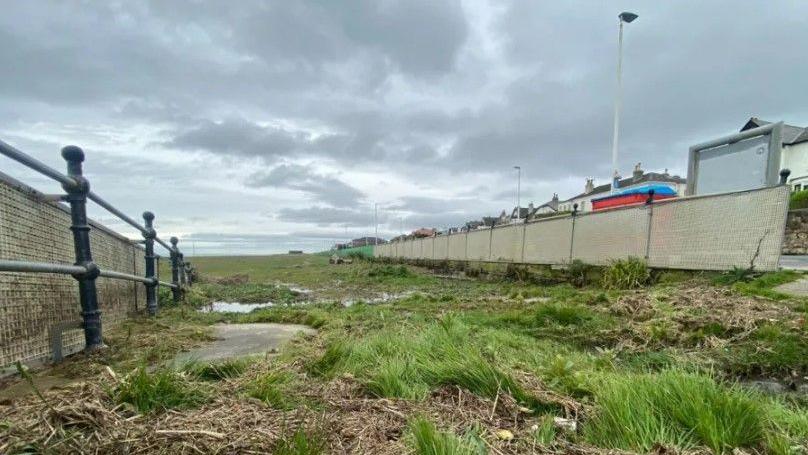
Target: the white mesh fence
(715, 232)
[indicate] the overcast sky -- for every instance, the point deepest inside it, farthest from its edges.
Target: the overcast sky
(261, 126)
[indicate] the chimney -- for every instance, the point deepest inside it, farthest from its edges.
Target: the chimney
(637, 174)
(588, 188)
(554, 201)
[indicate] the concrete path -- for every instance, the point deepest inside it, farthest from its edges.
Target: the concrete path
(798, 288)
(797, 262)
(236, 340)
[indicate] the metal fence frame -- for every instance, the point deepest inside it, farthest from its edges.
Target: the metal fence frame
(84, 270)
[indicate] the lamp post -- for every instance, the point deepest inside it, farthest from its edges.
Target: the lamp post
(518, 189)
(376, 222)
(627, 18)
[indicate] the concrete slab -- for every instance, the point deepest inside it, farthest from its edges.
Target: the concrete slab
(797, 288)
(237, 340)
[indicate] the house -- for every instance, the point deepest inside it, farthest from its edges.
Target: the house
(364, 241)
(549, 207)
(638, 178)
(523, 212)
(794, 155)
(424, 232)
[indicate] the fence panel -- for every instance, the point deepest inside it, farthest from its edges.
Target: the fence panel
(548, 241)
(427, 245)
(479, 245)
(457, 247)
(506, 243)
(441, 247)
(602, 236)
(720, 232)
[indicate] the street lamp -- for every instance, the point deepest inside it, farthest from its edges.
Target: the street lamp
(624, 17)
(376, 222)
(518, 189)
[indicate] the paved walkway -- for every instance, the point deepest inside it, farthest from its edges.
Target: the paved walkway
(798, 288)
(237, 340)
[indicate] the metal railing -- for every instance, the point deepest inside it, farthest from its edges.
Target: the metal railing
(85, 271)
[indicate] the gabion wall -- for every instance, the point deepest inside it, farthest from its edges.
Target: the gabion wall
(32, 303)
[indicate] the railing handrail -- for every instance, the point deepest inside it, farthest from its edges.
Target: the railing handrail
(32, 163)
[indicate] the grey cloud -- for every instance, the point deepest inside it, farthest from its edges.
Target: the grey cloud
(238, 137)
(321, 188)
(327, 216)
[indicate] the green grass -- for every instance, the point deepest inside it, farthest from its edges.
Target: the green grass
(771, 350)
(216, 371)
(545, 432)
(396, 363)
(764, 284)
(679, 409)
(630, 273)
(302, 442)
(274, 389)
(158, 390)
(428, 440)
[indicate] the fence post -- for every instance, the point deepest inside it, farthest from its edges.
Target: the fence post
(149, 235)
(183, 270)
(189, 271)
(649, 203)
(572, 229)
(88, 295)
(175, 270)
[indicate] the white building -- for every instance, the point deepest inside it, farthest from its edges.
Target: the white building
(638, 178)
(794, 155)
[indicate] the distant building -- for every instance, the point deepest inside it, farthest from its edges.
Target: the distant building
(794, 154)
(364, 241)
(638, 178)
(424, 232)
(295, 252)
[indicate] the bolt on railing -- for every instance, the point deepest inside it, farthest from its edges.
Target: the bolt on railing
(85, 271)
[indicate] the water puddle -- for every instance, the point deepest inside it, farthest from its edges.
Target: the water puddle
(383, 298)
(233, 307)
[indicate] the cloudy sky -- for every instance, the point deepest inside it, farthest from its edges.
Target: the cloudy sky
(260, 126)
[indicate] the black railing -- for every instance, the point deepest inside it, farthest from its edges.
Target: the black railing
(85, 271)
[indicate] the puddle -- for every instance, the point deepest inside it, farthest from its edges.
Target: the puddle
(383, 298)
(233, 307)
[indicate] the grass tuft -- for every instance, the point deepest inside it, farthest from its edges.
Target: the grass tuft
(217, 371)
(273, 389)
(301, 442)
(630, 273)
(674, 408)
(159, 390)
(428, 440)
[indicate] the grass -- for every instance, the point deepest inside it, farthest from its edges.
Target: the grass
(301, 442)
(679, 409)
(158, 390)
(428, 440)
(654, 365)
(273, 389)
(630, 273)
(764, 284)
(219, 370)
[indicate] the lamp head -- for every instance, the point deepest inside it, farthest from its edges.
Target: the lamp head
(627, 17)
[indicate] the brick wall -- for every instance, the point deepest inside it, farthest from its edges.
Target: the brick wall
(30, 303)
(796, 239)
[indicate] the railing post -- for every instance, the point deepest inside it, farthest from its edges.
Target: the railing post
(175, 270)
(189, 271)
(151, 288)
(88, 296)
(183, 270)
(572, 228)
